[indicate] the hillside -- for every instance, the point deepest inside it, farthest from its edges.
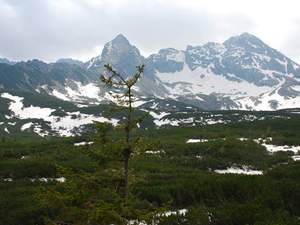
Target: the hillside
(243, 73)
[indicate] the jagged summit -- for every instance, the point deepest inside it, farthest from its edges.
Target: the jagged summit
(120, 53)
(247, 35)
(118, 45)
(6, 61)
(120, 38)
(245, 40)
(244, 36)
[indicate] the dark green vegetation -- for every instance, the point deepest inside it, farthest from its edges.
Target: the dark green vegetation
(116, 80)
(178, 176)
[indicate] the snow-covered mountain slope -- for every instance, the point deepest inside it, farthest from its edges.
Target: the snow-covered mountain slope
(27, 114)
(24, 113)
(241, 73)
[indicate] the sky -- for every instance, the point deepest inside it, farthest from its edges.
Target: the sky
(52, 29)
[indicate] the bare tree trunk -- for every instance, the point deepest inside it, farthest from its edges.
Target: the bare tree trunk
(126, 173)
(128, 149)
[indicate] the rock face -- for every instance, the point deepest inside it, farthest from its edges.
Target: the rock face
(120, 53)
(241, 73)
(5, 61)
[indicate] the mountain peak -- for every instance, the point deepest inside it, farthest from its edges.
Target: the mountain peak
(118, 46)
(5, 61)
(120, 38)
(120, 53)
(69, 61)
(246, 35)
(247, 41)
(119, 43)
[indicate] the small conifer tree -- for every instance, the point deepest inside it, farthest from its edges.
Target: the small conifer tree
(125, 99)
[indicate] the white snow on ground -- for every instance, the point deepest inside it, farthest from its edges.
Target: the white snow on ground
(78, 92)
(138, 103)
(26, 126)
(159, 120)
(263, 140)
(296, 88)
(181, 212)
(276, 148)
(158, 116)
(203, 80)
(246, 95)
(90, 90)
(6, 130)
(59, 95)
(83, 143)
(119, 99)
(137, 222)
(196, 140)
(22, 112)
(296, 157)
(173, 122)
(244, 170)
(154, 152)
(38, 130)
(160, 123)
(284, 148)
(44, 179)
(8, 179)
(212, 121)
(264, 102)
(81, 105)
(154, 105)
(111, 97)
(243, 139)
(64, 126)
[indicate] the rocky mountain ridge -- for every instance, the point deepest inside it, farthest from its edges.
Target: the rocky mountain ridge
(241, 73)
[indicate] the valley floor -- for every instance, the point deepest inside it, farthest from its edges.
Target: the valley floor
(221, 174)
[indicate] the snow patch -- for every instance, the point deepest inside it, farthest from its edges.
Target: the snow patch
(196, 140)
(278, 148)
(46, 180)
(64, 126)
(244, 170)
(83, 143)
(26, 126)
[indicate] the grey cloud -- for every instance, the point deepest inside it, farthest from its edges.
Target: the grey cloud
(51, 29)
(292, 44)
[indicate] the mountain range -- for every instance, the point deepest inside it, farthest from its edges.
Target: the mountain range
(241, 73)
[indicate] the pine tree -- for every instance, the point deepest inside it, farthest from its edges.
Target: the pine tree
(125, 99)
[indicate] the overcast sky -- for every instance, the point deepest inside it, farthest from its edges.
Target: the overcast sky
(52, 29)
